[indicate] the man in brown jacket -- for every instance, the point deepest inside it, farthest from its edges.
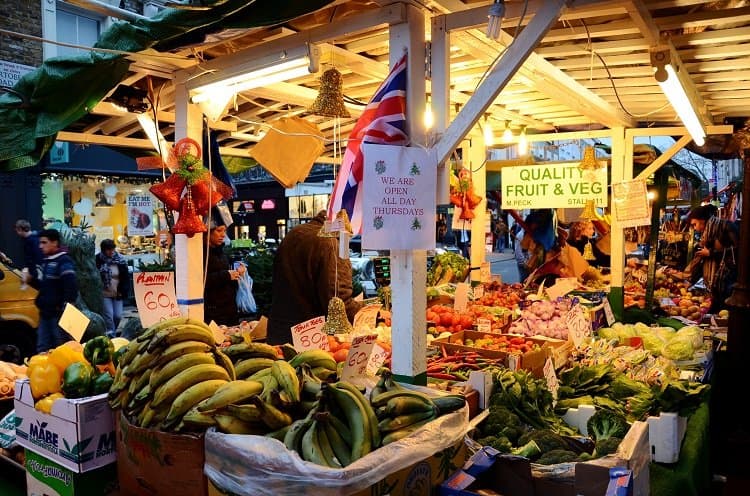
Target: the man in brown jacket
(307, 273)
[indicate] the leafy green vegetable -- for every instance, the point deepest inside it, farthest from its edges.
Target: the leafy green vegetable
(556, 456)
(607, 446)
(604, 424)
(546, 439)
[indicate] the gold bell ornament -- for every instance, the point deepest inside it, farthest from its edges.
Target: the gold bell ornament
(588, 252)
(337, 322)
(589, 160)
(589, 211)
(330, 99)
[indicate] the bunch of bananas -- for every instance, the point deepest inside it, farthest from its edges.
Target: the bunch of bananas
(267, 395)
(340, 429)
(171, 367)
(402, 411)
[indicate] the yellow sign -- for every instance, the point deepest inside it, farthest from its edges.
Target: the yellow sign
(558, 185)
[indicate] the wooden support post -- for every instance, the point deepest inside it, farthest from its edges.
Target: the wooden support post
(409, 268)
(188, 251)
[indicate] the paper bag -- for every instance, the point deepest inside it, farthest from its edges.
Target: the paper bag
(289, 149)
(573, 260)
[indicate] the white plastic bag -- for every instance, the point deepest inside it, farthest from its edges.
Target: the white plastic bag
(260, 466)
(8, 431)
(245, 300)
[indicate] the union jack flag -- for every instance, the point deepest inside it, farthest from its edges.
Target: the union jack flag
(383, 122)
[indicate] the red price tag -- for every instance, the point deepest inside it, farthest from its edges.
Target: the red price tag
(309, 335)
(358, 357)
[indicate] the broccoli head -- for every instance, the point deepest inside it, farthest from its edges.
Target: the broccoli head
(584, 457)
(546, 439)
(555, 456)
(607, 446)
(502, 422)
(605, 423)
(500, 443)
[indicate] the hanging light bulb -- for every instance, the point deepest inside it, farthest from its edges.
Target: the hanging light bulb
(489, 137)
(523, 144)
(507, 133)
(429, 118)
(495, 19)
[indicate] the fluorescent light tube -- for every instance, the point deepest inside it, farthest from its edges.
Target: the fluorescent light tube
(675, 93)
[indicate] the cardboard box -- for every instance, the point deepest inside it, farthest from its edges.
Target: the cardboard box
(45, 477)
(532, 361)
(517, 476)
(78, 434)
(420, 479)
(159, 463)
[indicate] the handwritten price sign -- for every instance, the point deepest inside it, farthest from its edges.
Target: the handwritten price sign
(358, 358)
(378, 356)
(309, 335)
(579, 325)
(155, 297)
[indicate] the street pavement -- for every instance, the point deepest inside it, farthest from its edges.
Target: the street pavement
(504, 265)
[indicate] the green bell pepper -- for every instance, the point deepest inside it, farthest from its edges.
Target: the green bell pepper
(77, 380)
(99, 351)
(101, 383)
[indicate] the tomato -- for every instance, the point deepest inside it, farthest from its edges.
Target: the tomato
(467, 322)
(333, 344)
(446, 319)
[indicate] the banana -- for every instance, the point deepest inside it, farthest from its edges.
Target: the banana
(340, 427)
(278, 434)
(223, 360)
(269, 414)
(288, 351)
(356, 419)
(287, 378)
(257, 375)
(293, 437)
(144, 393)
(153, 416)
(249, 366)
(402, 433)
(183, 348)
(147, 334)
(140, 363)
(143, 412)
(130, 352)
(326, 450)
(397, 423)
(324, 374)
(247, 413)
(117, 400)
(311, 451)
(251, 350)
(405, 404)
(176, 366)
(185, 332)
(232, 425)
(449, 403)
(341, 450)
(194, 418)
(379, 388)
(231, 392)
(383, 398)
(189, 398)
(168, 391)
(366, 408)
(137, 383)
(314, 358)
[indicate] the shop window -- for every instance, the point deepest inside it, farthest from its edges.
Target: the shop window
(75, 28)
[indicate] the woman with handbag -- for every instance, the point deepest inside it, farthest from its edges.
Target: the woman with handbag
(716, 253)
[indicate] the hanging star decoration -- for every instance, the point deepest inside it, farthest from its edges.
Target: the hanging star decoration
(462, 194)
(191, 189)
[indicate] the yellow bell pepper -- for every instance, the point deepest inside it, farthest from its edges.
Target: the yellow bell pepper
(44, 378)
(36, 359)
(64, 355)
(45, 404)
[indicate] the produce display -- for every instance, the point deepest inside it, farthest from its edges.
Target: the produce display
(446, 268)
(9, 372)
(72, 370)
(543, 317)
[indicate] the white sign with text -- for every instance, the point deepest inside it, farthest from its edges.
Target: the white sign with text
(155, 297)
(309, 335)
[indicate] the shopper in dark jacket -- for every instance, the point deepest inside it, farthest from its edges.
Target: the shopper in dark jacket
(307, 273)
(57, 286)
(113, 270)
(220, 294)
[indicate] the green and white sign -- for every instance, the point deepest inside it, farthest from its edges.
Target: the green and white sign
(557, 185)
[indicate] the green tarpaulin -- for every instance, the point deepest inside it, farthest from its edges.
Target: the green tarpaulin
(64, 89)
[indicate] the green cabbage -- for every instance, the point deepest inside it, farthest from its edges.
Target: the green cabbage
(678, 349)
(693, 334)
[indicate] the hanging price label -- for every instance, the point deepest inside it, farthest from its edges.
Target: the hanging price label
(514, 361)
(366, 318)
(461, 297)
(358, 358)
(484, 325)
(549, 375)
(309, 335)
(478, 291)
(609, 314)
(579, 325)
(378, 356)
